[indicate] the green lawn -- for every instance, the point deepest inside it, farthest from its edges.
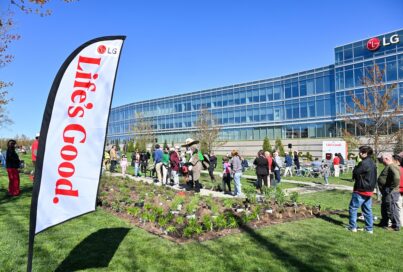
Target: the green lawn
(102, 242)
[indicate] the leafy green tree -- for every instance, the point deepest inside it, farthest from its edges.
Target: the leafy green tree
(267, 145)
(136, 146)
(130, 147)
(279, 146)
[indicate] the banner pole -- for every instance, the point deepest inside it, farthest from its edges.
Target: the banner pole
(30, 251)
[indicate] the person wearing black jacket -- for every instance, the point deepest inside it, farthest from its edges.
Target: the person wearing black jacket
(12, 164)
(364, 176)
(212, 166)
(262, 169)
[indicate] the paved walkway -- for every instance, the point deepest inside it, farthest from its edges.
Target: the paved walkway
(309, 187)
(203, 192)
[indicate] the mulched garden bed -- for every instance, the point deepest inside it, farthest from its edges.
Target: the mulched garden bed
(185, 216)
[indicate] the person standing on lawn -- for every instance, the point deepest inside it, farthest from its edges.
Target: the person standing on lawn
(158, 162)
(165, 167)
(269, 159)
(336, 165)
(12, 164)
(226, 175)
(364, 176)
(399, 160)
(297, 163)
(236, 163)
(34, 152)
(114, 158)
(326, 173)
(388, 182)
(194, 165)
(212, 166)
(175, 163)
(278, 163)
(262, 170)
(288, 165)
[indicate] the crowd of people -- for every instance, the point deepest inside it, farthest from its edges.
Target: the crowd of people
(168, 163)
(390, 183)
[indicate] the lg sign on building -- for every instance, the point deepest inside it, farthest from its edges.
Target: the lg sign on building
(375, 43)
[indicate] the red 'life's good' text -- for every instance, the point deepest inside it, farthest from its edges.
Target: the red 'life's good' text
(75, 134)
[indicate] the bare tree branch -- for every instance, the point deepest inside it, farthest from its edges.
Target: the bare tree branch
(208, 131)
(374, 112)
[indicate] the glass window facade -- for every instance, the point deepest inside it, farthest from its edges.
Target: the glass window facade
(309, 104)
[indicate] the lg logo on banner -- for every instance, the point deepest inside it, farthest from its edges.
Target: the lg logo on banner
(375, 43)
(102, 49)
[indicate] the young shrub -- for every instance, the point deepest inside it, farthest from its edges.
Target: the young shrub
(180, 220)
(193, 205)
(255, 213)
(245, 218)
(158, 211)
(135, 211)
(280, 196)
(193, 228)
(279, 146)
(178, 200)
(163, 221)
(294, 196)
(171, 229)
(208, 222)
(250, 193)
(220, 221)
(267, 145)
(228, 202)
(231, 221)
(269, 192)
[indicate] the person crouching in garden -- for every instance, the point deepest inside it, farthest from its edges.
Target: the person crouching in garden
(262, 170)
(236, 163)
(12, 164)
(194, 165)
(226, 175)
(364, 176)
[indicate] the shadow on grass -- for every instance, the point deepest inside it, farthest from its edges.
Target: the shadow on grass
(5, 198)
(330, 219)
(280, 254)
(95, 251)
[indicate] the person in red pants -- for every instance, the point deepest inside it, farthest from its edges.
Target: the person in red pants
(12, 164)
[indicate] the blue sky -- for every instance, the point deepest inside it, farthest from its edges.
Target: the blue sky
(175, 47)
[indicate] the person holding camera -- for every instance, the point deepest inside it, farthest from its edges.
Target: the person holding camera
(13, 163)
